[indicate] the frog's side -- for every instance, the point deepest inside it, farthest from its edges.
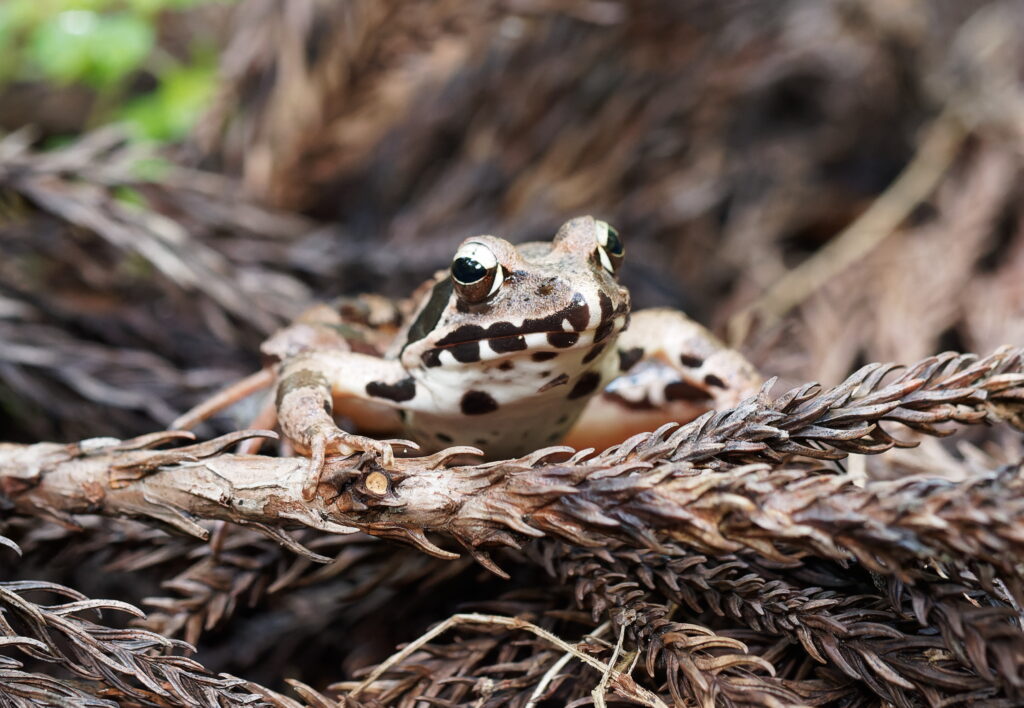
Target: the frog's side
(507, 361)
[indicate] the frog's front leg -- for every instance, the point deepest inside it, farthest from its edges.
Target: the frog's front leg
(308, 386)
(670, 369)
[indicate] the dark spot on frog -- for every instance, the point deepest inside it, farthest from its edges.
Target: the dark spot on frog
(543, 356)
(403, 415)
(404, 390)
(712, 380)
(595, 351)
(546, 288)
(559, 380)
(585, 385)
(304, 378)
(444, 438)
(506, 365)
(431, 358)
(606, 306)
(683, 391)
(480, 441)
(477, 403)
(328, 407)
(693, 362)
(554, 437)
(562, 339)
(502, 345)
(466, 352)
(629, 357)
(603, 331)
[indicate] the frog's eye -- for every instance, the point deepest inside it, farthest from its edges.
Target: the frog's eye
(609, 247)
(476, 272)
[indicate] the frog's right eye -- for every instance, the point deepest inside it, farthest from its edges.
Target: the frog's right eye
(610, 250)
(476, 272)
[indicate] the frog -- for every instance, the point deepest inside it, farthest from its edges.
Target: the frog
(510, 349)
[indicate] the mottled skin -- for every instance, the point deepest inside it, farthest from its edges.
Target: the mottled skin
(508, 373)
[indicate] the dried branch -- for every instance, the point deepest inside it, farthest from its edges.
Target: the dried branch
(701, 666)
(75, 183)
(621, 683)
(856, 633)
(130, 663)
(684, 485)
(21, 689)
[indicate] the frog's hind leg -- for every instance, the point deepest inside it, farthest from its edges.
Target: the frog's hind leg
(307, 388)
(670, 369)
(224, 399)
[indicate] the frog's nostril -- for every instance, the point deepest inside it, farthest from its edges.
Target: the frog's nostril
(546, 288)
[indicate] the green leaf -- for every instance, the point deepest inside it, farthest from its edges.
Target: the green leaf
(170, 111)
(118, 47)
(82, 45)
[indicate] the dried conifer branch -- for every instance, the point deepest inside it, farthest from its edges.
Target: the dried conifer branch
(22, 689)
(75, 184)
(647, 488)
(131, 663)
(829, 424)
(858, 634)
(701, 666)
(981, 632)
(939, 147)
(621, 683)
(487, 665)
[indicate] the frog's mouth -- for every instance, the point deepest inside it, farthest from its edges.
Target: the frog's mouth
(574, 317)
(561, 330)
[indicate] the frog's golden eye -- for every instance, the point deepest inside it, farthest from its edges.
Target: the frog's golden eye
(476, 272)
(609, 247)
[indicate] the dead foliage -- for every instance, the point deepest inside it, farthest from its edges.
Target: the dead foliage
(816, 545)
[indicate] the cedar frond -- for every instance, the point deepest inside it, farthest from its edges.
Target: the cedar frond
(858, 634)
(132, 664)
(22, 689)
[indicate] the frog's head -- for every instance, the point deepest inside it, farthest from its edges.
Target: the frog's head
(536, 300)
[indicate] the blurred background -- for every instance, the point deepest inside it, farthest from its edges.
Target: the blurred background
(180, 177)
(824, 183)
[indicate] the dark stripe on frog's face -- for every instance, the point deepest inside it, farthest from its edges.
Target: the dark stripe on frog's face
(576, 312)
(430, 315)
(595, 351)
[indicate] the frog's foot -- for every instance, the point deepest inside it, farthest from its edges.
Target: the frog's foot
(671, 369)
(332, 440)
(667, 356)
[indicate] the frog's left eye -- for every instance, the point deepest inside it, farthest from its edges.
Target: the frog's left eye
(609, 247)
(476, 272)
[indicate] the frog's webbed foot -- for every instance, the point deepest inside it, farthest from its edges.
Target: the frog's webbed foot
(671, 369)
(672, 357)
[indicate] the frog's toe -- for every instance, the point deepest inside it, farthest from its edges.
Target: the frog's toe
(406, 444)
(387, 454)
(317, 458)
